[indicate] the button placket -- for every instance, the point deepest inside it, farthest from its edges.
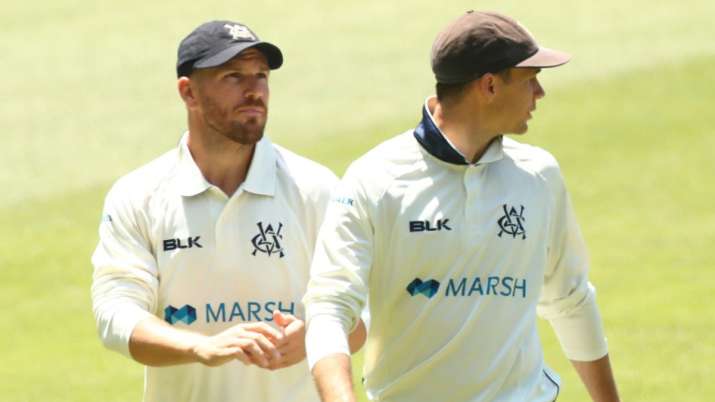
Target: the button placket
(223, 230)
(473, 186)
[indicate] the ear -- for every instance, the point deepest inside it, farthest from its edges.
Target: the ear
(487, 86)
(187, 91)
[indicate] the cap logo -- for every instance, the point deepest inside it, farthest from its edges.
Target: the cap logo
(239, 32)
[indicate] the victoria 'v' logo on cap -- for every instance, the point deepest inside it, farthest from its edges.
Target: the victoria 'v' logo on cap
(239, 32)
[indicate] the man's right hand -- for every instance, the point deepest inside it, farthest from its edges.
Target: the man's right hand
(156, 343)
(251, 343)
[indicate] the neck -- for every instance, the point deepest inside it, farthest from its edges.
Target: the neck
(462, 127)
(223, 163)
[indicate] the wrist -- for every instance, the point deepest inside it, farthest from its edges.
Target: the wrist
(333, 377)
(193, 347)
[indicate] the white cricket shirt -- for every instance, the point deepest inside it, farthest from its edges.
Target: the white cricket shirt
(174, 246)
(456, 260)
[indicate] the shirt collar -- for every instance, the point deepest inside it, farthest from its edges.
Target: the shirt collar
(189, 178)
(436, 143)
(261, 177)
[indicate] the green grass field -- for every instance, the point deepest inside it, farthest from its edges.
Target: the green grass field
(89, 94)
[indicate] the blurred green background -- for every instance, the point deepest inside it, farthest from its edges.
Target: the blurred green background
(89, 94)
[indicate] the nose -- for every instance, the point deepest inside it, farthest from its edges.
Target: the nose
(538, 89)
(257, 89)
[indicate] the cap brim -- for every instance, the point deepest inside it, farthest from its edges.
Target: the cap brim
(545, 58)
(271, 51)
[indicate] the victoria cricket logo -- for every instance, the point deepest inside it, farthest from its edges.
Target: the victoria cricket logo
(268, 240)
(512, 223)
(239, 32)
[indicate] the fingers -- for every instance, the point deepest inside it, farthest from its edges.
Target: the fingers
(239, 355)
(289, 358)
(293, 351)
(254, 353)
(267, 346)
(294, 337)
(295, 329)
(251, 343)
(283, 319)
(264, 329)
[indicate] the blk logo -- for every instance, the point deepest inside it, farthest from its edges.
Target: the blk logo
(427, 226)
(173, 244)
(268, 240)
(512, 223)
(186, 314)
(427, 288)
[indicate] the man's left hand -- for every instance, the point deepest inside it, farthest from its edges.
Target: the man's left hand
(292, 346)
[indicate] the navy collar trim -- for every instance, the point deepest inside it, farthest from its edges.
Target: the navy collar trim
(434, 142)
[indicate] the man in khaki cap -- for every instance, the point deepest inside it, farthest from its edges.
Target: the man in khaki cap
(460, 237)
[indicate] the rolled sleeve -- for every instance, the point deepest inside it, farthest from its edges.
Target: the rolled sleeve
(568, 300)
(337, 290)
(125, 279)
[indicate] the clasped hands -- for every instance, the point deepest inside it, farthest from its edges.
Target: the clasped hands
(256, 343)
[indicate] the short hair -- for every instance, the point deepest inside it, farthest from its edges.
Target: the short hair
(453, 93)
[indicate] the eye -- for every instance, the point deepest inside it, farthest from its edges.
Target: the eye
(233, 76)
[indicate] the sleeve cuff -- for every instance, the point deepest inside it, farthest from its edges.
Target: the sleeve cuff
(581, 333)
(117, 328)
(325, 336)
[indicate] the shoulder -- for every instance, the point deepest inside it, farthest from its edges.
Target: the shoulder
(393, 158)
(137, 186)
(309, 176)
(532, 159)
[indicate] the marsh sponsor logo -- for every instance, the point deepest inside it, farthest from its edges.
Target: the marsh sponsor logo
(491, 286)
(185, 314)
(504, 286)
(236, 311)
(246, 311)
(427, 288)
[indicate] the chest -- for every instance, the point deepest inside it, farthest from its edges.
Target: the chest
(480, 230)
(231, 260)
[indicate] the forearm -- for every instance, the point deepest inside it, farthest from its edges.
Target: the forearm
(333, 377)
(357, 337)
(156, 343)
(597, 377)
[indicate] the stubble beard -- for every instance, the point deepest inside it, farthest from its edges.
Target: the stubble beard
(220, 121)
(246, 134)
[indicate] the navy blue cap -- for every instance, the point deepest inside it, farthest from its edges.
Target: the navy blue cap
(216, 42)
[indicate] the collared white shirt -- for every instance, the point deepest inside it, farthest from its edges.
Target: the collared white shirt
(456, 259)
(174, 246)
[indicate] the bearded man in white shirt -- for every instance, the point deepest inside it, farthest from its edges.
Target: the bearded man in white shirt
(204, 253)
